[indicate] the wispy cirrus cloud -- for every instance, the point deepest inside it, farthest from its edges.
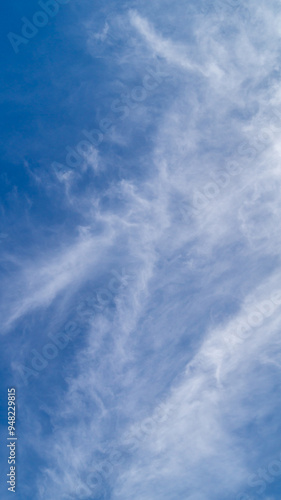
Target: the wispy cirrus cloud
(194, 241)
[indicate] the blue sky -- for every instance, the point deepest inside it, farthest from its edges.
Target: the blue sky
(140, 249)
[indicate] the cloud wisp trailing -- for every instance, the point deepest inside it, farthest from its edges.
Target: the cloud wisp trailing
(154, 313)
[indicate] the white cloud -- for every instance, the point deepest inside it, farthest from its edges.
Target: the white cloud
(160, 338)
